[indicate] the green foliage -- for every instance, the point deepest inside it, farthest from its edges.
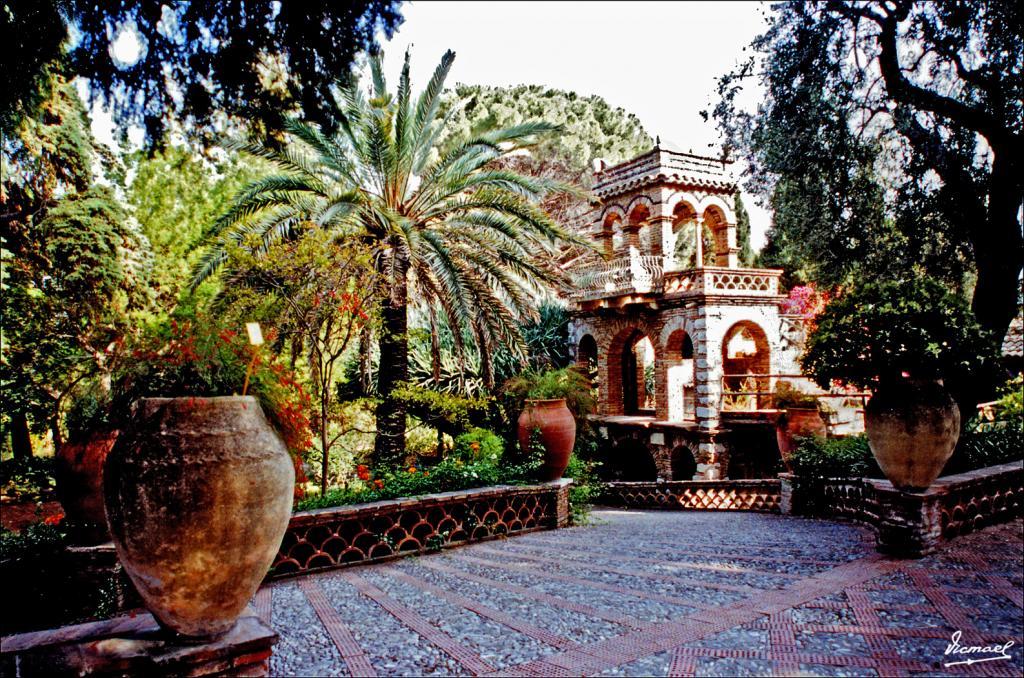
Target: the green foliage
(443, 222)
(568, 383)
(478, 443)
(788, 396)
(1008, 410)
(38, 540)
(27, 478)
(586, 487)
(879, 330)
(850, 457)
(746, 254)
(175, 195)
(982, 446)
(449, 475)
(878, 164)
(450, 412)
(593, 129)
(76, 264)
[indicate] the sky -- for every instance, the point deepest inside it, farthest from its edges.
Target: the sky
(657, 60)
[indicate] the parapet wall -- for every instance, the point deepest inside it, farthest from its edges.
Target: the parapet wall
(336, 537)
(912, 523)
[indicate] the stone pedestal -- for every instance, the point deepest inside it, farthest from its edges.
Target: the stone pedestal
(137, 646)
(909, 523)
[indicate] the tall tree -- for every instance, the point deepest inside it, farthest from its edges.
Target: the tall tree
(444, 223)
(197, 61)
(76, 267)
(890, 139)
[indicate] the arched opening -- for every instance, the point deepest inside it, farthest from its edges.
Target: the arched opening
(684, 466)
(718, 230)
(611, 232)
(680, 374)
(639, 228)
(586, 359)
(684, 227)
(638, 388)
(746, 364)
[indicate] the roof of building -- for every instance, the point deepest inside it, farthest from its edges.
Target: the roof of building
(662, 165)
(1013, 342)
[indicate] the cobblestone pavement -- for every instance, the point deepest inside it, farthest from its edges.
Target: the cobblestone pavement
(662, 593)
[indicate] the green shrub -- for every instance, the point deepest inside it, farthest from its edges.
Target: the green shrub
(586, 487)
(878, 331)
(986, 446)
(34, 541)
(850, 457)
(568, 383)
(478, 443)
(28, 479)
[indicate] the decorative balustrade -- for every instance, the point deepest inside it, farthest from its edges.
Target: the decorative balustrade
(715, 280)
(623, 275)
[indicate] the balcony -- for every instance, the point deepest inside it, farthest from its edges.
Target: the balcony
(646, 275)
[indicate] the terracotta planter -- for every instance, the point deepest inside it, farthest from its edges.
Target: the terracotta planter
(198, 495)
(794, 423)
(912, 427)
(557, 433)
(78, 469)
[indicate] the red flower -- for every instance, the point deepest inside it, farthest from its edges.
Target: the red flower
(55, 519)
(379, 484)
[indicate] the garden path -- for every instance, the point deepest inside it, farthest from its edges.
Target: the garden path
(661, 593)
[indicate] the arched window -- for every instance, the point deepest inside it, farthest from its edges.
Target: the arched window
(746, 363)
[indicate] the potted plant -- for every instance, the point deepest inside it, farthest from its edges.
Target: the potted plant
(901, 339)
(551, 402)
(800, 417)
(198, 488)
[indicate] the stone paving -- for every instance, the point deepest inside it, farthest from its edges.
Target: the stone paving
(662, 593)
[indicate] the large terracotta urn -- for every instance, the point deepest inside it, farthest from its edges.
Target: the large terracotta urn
(557, 433)
(912, 428)
(78, 470)
(198, 496)
(796, 423)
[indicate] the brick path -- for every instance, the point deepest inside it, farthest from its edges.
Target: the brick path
(661, 593)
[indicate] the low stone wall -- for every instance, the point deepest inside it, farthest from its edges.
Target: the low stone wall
(708, 495)
(913, 523)
(336, 537)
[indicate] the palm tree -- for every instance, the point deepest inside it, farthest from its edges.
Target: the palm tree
(446, 226)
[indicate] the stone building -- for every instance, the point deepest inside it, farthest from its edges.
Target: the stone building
(686, 345)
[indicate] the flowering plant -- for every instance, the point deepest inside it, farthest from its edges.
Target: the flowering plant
(197, 359)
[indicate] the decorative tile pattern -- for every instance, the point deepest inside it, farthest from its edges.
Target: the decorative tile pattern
(560, 604)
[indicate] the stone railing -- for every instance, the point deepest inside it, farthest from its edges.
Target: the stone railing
(335, 537)
(717, 280)
(707, 495)
(913, 523)
(634, 274)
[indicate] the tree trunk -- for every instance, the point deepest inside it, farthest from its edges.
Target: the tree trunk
(393, 372)
(21, 441)
(366, 360)
(998, 247)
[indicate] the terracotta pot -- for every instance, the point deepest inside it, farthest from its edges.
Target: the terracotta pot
(794, 423)
(198, 495)
(78, 470)
(557, 433)
(912, 427)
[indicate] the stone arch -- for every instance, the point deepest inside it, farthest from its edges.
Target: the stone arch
(717, 223)
(587, 358)
(680, 376)
(631, 357)
(746, 366)
(685, 218)
(719, 203)
(638, 223)
(612, 230)
(684, 463)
